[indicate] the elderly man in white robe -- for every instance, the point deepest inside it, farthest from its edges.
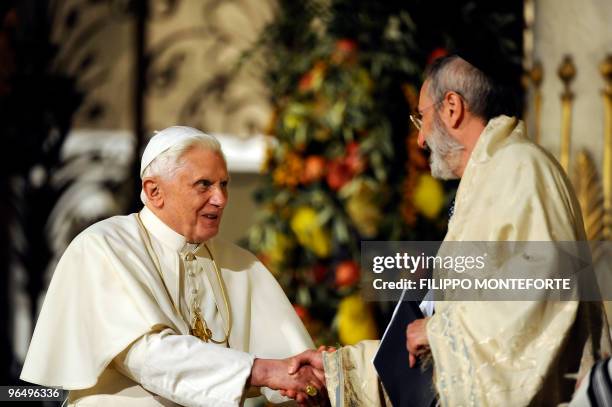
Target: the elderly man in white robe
(151, 309)
(486, 353)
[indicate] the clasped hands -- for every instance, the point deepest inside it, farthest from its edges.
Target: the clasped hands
(295, 377)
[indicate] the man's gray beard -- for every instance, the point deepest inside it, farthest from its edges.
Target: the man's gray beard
(445, 155)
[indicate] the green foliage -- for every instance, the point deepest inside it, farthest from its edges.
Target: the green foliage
(334, 176)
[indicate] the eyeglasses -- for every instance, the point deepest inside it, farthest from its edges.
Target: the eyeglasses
(417, 121)
(417, 118)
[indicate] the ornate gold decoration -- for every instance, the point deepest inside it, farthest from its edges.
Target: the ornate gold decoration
(606, 71)
(589, 192)
(525, 82)
(193, 47)
(566, 72)
(536, 74)
(198, 326)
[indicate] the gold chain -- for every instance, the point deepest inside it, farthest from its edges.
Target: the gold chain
(198, 326)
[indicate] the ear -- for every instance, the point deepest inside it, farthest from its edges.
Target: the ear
(454, 109)
(153, 191)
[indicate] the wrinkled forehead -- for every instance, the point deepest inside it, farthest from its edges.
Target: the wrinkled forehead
(202, 158)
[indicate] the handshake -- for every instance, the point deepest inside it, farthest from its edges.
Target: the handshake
(300, 377)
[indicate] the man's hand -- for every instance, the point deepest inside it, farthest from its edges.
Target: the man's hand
(321, 399)
(309, 357)
(274, 374)
(314, 359)
(416, 340)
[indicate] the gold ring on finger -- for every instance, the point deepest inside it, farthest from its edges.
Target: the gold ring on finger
(311, 390)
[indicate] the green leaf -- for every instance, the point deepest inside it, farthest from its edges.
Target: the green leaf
(335, 116)
(303, 296)
(301, 135)
(340, 230)
(378, 166)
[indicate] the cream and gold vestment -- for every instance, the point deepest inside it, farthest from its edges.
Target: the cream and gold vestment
(498, 353)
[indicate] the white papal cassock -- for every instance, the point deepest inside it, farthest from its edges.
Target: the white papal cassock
(109, 331)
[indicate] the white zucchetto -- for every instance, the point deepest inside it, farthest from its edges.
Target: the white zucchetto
(163, 140)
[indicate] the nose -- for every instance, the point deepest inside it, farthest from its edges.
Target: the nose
(219, 197)
(421, 139)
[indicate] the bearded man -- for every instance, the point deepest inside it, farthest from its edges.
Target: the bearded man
(486, 353)
(151, 309)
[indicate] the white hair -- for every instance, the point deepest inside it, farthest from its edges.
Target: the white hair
(453, 73)
(167, 163)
